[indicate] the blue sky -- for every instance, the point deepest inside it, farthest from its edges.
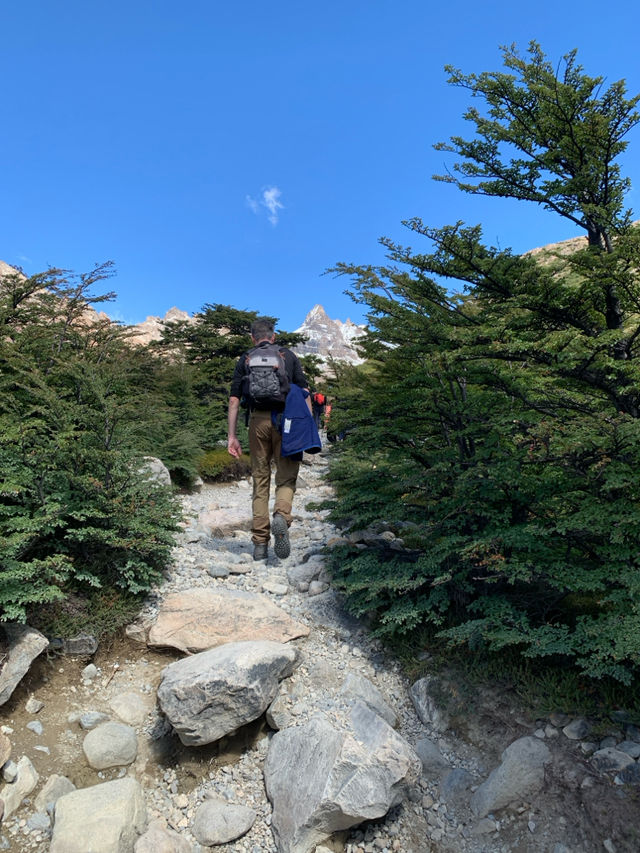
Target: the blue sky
(232, 152)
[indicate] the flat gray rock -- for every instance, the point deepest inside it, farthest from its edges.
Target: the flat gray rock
(218, 822)
(199, 619)
(610, 759)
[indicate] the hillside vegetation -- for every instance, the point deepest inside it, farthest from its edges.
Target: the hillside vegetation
(81, 404)
(496, 426)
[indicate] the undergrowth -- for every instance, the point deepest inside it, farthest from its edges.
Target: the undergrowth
(102, 613)
(539, 686)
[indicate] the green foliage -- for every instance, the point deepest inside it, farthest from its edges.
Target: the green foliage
(496, 425)
(198, 360)
(106, 610)
(74, 511)
(217, 466)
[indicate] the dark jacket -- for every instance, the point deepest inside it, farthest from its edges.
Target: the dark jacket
(299, 432)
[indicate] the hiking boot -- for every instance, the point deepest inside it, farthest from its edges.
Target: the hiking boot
(260, 551)
(281, 535)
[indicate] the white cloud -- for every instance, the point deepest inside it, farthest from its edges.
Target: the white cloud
(270, 201)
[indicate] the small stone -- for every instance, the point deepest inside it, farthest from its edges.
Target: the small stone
(36, 727)
(34, 705)
(559, 720)
(91, 719)
(275, 588)
(10, 772)
(218, 822)
(609, 845)
(576, 729)
(82, 644)
(630, 747)
(551, 731)
(39, 821)
(629, 776)
(5, 749)
(90, 672)
(239, 569)
(218, 571)
(484, 826)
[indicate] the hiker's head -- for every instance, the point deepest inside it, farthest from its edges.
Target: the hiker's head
(262, 330)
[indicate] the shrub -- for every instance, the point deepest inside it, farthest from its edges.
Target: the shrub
(218, 467)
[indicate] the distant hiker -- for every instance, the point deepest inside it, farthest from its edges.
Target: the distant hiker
(318, 402)
(327, 414)
(263, 377)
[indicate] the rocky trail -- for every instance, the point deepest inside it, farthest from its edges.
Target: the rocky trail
(246, 712)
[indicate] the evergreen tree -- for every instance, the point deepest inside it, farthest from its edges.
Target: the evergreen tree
(508, 441)
(75, 512)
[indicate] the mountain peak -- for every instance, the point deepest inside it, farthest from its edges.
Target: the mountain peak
(329, 338)
(316, 313)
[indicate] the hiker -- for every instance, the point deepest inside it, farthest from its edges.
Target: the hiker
(317, 407)
(263, 377)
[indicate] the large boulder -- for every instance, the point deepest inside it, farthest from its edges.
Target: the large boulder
(199, 619)
(25, 644)
(155, 470)
(322, 777)
(211, 694)
(105, 818)
(520, 775)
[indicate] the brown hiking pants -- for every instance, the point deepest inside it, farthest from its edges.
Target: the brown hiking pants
(264, 446)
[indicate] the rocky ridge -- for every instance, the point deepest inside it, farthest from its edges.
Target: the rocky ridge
(328, 338)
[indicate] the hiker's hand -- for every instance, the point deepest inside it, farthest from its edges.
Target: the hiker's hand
(234, 448)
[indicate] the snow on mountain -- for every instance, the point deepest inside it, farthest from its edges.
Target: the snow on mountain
(327, 337)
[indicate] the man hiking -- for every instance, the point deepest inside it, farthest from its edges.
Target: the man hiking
(263, 377)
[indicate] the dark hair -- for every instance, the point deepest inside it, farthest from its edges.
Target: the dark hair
(262, 328)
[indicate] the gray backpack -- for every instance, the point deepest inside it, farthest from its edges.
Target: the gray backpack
(267, 381)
